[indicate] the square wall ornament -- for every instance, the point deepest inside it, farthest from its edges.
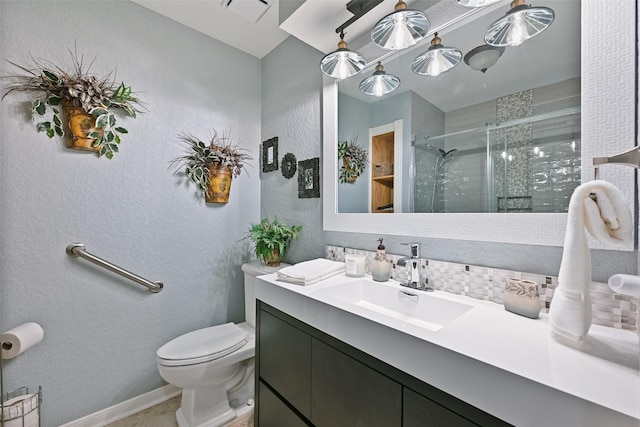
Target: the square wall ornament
(309, 178)
(270, 155)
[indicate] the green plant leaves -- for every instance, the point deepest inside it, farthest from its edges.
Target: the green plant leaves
(268, 236)
(48, 75)
(38, 107)
(98, 111)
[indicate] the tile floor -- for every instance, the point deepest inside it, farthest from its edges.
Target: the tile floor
(164, 415)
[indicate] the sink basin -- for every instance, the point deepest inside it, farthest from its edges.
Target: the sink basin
(391, 303)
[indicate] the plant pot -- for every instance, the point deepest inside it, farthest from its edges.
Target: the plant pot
(219, 185)
(351, 176)
(79, 125)
(274, 259)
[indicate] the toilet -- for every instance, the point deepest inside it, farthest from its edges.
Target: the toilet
(214, 366)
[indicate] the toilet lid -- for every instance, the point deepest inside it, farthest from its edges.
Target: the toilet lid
(202, 345)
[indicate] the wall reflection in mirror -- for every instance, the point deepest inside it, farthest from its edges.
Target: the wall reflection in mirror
(503, 136)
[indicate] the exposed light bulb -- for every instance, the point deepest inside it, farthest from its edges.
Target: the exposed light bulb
(436, 65)
(378, 86)
(518, 32)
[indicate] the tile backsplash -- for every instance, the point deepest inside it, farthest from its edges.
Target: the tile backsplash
(486, 283)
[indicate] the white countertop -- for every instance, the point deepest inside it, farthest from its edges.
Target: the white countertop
(505, 364)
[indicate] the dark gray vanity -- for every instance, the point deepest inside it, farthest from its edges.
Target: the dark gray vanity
(306, 377)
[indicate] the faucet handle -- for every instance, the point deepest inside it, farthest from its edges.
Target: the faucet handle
(415, 249)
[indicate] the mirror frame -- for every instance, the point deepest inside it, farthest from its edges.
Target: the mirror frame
(608, 114)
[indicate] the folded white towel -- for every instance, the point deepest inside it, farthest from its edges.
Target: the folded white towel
(607, 219)
(310, 272)
(625, 284)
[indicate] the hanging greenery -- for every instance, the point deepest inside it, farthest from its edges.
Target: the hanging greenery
(354, 161)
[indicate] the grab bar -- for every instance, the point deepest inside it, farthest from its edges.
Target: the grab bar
(79, 250)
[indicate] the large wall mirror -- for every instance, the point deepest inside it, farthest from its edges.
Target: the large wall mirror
(495, 155)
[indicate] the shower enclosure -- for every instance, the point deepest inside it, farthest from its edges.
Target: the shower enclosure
(529, 164)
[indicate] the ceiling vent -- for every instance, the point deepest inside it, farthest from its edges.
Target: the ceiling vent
(251, 10)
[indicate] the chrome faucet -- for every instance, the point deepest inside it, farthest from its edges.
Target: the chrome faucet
(412, 264)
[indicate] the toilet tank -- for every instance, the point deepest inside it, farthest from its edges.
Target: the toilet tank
(251, 271)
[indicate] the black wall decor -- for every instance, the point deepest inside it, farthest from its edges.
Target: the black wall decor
(270, 155)
(309, 178)
(289, 165)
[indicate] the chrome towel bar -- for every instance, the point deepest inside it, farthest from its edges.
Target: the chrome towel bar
(628, 158)
(79, 250)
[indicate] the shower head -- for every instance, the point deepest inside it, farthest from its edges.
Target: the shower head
(445, 154)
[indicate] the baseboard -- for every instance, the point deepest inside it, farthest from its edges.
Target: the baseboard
(128, 407)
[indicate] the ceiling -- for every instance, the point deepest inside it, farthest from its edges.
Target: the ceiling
(548, 58)
(231, 25)
(258, 26)
(312, 21)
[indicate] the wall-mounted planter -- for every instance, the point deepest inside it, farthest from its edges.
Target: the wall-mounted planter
(211, 165)
(79, 125)
(219, 185)
(85, 101)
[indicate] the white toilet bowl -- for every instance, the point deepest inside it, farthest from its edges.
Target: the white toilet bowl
(215, 366)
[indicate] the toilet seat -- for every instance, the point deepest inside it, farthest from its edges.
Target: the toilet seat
(202, 345)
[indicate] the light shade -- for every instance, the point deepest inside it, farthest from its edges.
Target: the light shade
(343, 62)
(379, 83)
(521, 23)
(483, 57)
(400, 29)
(476, 3)
(437, 59)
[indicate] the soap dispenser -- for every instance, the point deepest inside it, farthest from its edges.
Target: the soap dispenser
(380, 267)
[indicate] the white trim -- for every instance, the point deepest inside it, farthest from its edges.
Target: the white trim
(397, 166)
(128, 407)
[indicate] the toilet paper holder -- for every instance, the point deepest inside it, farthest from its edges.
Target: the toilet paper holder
(18, 408)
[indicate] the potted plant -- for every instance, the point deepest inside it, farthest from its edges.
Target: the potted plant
(212, 165)
(354, 161)
(88, 101)
(272, 239)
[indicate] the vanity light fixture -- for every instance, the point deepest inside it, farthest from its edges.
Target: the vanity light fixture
(343, 62)
(380, 83)
(519, 24)
(401, 28)
(476, 3)
(437, 59)
(483, 57)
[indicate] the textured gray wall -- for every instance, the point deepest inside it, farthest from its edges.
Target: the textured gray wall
(291, 110)
(101, 331)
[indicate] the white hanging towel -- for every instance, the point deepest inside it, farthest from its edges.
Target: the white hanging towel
(310, 272)
(608, 219)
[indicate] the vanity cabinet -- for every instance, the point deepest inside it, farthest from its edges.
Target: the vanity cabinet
(306, 377)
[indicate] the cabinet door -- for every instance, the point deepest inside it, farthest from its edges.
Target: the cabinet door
(350, 394)
(418, 411)
(272, 412)
(285, 360)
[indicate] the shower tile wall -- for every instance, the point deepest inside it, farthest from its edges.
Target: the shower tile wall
(512, 164)
(541, 175)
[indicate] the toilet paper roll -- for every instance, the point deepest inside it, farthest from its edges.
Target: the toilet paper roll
(625, 284)
(20, 339)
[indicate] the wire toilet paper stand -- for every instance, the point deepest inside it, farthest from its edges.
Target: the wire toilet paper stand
(18, 408)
